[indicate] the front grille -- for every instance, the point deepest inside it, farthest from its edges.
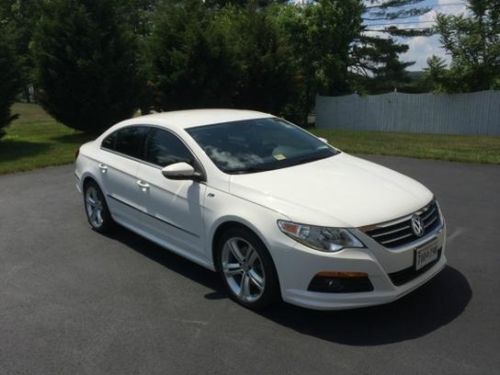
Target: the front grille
(399, 232)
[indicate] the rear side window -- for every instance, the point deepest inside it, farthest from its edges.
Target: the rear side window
(110, 141)
(164, 148)
(128, 141)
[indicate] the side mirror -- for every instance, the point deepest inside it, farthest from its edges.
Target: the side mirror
(323, 139)
(180, 171)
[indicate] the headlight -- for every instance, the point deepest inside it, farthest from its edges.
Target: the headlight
(320, 238)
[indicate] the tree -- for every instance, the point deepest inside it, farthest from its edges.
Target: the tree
(260, 67)
(321, 36)
(85, 64)
(473, 42)
(376, 64)
(202, 56)
(435, 74)
(186, 70)
(389, 17)
(19, 18)
(9, 81)
(242, 3)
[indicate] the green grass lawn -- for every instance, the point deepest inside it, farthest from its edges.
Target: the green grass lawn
(36, 140)
(466, 148)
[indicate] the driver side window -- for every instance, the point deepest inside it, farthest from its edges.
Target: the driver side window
(164, 148)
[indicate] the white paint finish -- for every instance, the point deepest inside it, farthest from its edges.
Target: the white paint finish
(340, 191)
(178, 206)
(197, 117)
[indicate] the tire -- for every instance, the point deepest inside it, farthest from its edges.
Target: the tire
(247, 269)
(96, 208)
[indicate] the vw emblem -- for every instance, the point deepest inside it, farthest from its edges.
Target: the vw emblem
(417, 225)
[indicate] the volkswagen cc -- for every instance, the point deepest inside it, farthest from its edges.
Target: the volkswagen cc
(276, 211)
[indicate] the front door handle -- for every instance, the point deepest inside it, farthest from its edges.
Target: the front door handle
(103, 167)
(143, 185)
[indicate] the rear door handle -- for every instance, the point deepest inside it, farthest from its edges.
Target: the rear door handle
(103, 167)
(143, 185)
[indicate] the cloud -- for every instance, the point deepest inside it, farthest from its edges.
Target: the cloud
(421, 48)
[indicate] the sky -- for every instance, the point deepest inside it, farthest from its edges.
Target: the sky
(422, 48)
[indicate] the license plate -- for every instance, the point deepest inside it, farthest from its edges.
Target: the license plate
(426, 254)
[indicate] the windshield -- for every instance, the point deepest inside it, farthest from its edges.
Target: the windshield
(259, 145)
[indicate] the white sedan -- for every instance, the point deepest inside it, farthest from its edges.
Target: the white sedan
(276, 211)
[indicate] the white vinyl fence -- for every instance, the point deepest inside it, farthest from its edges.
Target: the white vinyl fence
(472, 113)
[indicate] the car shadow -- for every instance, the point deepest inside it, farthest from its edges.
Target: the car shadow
(169, 260)
(423, 311)
(430, 307)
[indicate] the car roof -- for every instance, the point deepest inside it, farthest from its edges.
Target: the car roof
(197, 117)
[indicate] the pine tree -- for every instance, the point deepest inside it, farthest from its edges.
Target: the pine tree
(376, 64)
(19, 19)
(9, 81)
(85, 64)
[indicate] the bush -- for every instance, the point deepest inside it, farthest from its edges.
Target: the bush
(85, 64)
(9, 82)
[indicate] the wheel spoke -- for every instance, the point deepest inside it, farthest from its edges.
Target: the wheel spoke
(256, 279)
(235, 250)
(98, 217)
(245, 286)
(91, 202)
(232, 269)
(93, 215)
(251, 256)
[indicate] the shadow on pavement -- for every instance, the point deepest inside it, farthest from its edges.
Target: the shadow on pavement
(427, 309)
(170, 260)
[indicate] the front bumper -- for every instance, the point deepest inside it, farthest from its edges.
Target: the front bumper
(380, 263)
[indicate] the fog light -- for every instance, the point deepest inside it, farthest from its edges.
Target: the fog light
(340, 282)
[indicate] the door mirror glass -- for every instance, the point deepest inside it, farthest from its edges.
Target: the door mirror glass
(180, 171)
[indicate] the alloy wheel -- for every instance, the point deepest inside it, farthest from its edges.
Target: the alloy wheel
(243, 269)
(94, 207)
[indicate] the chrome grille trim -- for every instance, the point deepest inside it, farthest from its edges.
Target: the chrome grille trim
(431, 211)
(391, 231)
(398, 232)
(434, 218)
(396, 239)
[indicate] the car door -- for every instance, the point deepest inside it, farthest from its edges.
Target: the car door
(174, 206)
(120, 156)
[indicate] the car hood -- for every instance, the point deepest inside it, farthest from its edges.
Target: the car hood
(340, 191)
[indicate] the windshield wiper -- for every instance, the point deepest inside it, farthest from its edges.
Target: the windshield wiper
(252, 169)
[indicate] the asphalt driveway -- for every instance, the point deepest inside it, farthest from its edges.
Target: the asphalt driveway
(73, 301)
